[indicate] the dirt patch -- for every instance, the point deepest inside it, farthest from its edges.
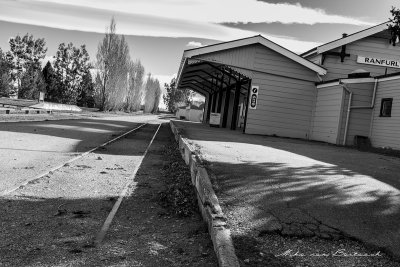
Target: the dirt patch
(178, 197)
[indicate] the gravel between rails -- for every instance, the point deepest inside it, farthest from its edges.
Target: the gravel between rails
(53, 221)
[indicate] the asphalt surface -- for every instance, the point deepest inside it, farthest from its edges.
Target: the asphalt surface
(28, 149)
(304, 189)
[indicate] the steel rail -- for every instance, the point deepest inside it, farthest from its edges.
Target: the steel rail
(100, 236)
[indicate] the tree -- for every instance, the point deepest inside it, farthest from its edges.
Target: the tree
(70, 66)
(5, 77)
(394, 26)
(119, 81)
(25, 52)
(152, 95)
(32, 82)
(174, 96)
(105, 63)
(50, 79)
(86, 97)
(135, 86)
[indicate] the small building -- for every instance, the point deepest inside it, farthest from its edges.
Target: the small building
(340, 92)
(190, 112)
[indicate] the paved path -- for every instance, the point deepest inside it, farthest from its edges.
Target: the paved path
(28, 149)
(301, 188)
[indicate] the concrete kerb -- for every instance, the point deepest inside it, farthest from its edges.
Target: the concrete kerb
(208, 203)
(25, 111)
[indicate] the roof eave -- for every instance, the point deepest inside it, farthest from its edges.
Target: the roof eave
(181, 67)
(352, 38)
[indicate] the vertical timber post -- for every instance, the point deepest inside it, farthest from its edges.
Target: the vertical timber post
(235, 104)
(220, 94)
(247, 106)
(226, 104)
(214, 102)
(208, 107)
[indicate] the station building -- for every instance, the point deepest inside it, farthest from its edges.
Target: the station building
(340, 92)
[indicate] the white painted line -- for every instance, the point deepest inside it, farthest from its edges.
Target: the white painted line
(114, 210)
(8, 191)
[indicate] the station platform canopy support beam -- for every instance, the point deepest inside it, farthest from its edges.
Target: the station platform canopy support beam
(216, 82)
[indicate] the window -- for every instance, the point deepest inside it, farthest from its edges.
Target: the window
(386, 107)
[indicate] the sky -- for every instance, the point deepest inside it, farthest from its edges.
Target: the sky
(158, 31)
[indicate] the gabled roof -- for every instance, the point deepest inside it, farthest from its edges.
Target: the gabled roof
(348, 39)
(258, 39)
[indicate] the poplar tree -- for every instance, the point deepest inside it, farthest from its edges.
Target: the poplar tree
(152, 95)
(119, 80)
(105, 64)
(135, 86)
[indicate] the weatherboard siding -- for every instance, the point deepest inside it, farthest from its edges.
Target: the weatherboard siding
(286, 96)
(385, 131)
(326, 120)
(240, 56)
(376, 46)
(271, 62)
(284, 107)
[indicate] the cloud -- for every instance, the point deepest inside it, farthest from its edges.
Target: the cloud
(168, 18)
(220, 11)
(194, 44)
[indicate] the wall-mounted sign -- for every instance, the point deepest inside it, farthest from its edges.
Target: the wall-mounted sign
(253, 96)
(391, 63)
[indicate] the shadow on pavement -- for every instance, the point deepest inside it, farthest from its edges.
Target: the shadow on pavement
(89, 133)
(280, 185)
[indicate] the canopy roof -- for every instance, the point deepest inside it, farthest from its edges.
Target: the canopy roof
(201, 75)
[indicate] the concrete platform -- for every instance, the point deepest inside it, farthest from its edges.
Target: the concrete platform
(279, 182)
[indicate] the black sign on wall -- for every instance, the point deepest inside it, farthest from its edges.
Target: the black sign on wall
(253, 96)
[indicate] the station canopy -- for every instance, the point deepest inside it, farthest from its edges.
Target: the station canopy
(207, 77)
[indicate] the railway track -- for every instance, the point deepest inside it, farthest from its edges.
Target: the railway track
(65, 166)
(55, 168)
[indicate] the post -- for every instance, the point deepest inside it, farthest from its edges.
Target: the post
(214, 102)
(226, 104)
(208, 107)
(247, 106)
(220, 95)
(235, 105)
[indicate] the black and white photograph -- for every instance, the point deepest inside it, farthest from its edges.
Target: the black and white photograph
(224, 133)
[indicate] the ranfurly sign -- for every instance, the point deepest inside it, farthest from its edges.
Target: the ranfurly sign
(391, 63)
(253, 97)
